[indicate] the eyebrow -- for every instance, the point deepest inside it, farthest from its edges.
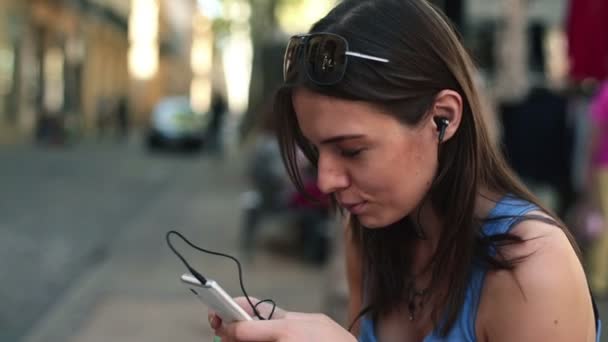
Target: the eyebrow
(340, 138)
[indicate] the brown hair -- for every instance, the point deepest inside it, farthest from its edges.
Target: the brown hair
(426, 57)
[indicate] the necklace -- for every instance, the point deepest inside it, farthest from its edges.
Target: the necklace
(415, 302)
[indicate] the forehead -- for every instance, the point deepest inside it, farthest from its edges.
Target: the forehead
(321, 117)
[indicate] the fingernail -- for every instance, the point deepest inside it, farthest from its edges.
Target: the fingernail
(213, 322)
(217, 339)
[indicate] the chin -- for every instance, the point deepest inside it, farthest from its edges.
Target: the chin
(371, 222)
(376, 222)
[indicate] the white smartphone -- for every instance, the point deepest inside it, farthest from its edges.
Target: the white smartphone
(212, 295)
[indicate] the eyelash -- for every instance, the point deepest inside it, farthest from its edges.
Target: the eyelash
(351, 153)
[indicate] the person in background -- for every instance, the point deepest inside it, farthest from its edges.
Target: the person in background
(597, 188)
(271, 189)
(219, 109)
(122, 117)
(273, 194)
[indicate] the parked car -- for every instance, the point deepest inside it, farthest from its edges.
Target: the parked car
(174, 124)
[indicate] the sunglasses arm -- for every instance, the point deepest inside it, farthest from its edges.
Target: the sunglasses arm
(364, 56)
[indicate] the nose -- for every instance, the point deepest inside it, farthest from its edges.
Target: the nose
(331, 176)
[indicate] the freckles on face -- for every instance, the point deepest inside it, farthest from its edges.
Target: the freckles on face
(391, 175)
(405, 177)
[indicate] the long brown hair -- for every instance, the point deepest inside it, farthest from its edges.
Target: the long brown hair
(426, 56)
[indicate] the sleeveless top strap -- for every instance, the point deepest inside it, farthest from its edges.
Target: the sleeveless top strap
(507, 213)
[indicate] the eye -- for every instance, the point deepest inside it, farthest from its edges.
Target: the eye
(351, 153)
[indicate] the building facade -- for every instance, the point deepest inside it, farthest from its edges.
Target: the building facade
(58, 60)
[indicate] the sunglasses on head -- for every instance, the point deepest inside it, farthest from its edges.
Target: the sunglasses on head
(322, 56)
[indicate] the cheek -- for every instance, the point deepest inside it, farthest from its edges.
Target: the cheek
(404, 177)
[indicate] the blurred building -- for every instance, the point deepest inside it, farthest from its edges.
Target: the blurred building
(66, 64)
(517, 42)
(18, 71)
(58, 58)
(161, 42)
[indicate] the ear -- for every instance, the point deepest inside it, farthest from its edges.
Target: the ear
(448, 106)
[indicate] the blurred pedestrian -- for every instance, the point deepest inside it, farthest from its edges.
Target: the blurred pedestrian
(444, 242)
(122, 117)
(273, 194)
(270, 182)
(103, 116)
(219, 109)
(597, 188)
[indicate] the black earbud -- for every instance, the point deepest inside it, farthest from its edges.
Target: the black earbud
(442, 125)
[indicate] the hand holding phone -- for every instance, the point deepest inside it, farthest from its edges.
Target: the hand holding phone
(213, 296)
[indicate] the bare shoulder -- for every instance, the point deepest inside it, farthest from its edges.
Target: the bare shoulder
(544, 298)
(541, 238)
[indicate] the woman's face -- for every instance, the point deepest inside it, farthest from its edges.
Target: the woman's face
(378, 169)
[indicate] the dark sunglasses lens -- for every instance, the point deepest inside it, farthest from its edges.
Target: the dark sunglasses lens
(326, 59)
(290, 67)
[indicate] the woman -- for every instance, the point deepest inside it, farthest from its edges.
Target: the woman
(445, 242)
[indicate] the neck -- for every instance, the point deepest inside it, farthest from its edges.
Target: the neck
(427, 218)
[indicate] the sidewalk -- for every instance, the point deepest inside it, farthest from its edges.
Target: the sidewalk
(135, 293)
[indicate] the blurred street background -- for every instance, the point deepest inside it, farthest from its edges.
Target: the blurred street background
(123, 119)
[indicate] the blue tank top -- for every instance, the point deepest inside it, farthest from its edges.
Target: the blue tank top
(501, 219)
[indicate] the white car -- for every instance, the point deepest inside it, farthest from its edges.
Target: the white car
(173, 123)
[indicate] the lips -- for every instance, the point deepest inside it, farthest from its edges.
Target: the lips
(355, 208)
